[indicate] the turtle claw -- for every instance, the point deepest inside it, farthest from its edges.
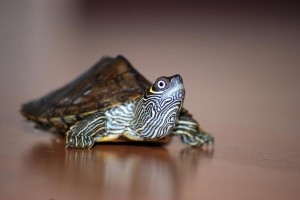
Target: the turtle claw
(206, 139)
(83, 133)
(79, 142)
(200, 139)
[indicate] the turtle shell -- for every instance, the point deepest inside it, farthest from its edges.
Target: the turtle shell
(109, 82)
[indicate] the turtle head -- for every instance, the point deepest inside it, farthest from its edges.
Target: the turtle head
(157, 112)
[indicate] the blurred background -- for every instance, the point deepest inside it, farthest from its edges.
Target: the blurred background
(239, 61)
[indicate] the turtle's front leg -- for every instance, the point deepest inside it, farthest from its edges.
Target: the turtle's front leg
(83, 133)
(190, 132)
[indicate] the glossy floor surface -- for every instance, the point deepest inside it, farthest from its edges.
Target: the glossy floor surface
(241, 71)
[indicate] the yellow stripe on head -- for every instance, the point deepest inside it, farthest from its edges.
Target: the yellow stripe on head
(152, 91)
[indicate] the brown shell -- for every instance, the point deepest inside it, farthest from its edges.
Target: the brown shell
(109, 82)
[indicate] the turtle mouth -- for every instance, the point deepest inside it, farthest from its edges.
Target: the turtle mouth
(176, 87)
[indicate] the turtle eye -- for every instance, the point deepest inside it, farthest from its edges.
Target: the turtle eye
(161, 84)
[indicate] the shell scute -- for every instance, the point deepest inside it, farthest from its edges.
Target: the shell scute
(109, 82)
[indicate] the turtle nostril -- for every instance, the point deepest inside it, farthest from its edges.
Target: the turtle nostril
(178, 78)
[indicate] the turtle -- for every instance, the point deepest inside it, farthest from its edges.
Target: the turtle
(113, 102)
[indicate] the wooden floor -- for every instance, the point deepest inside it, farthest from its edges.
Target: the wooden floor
(241, 74)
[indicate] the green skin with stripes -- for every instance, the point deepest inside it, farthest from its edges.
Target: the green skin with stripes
(155, 116)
